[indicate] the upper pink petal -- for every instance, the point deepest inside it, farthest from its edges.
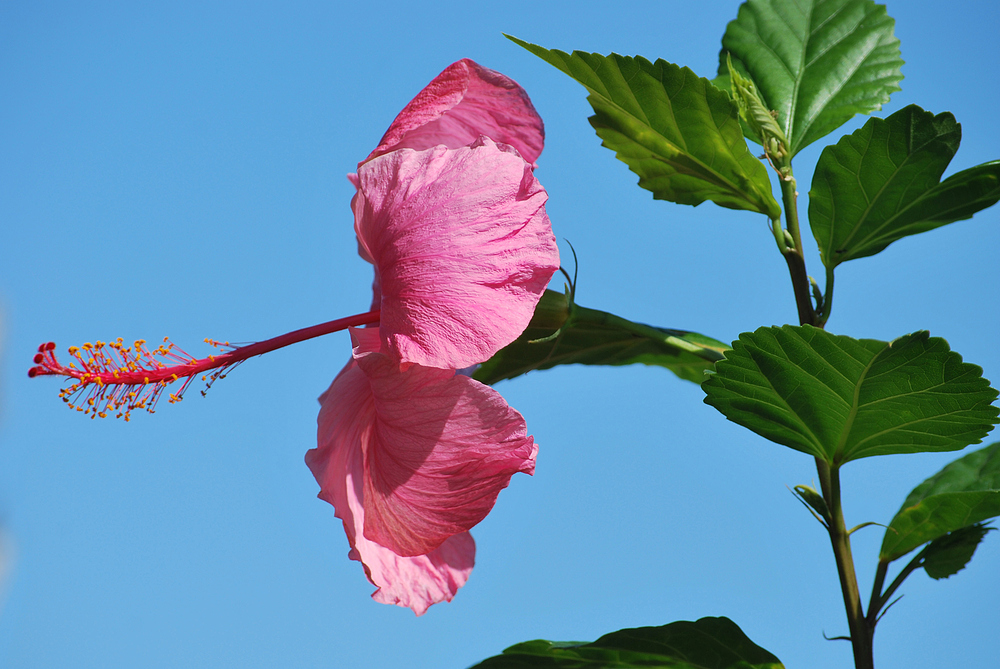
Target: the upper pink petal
(463, 102)
(462, 249)
(346, 421)
(442, 448)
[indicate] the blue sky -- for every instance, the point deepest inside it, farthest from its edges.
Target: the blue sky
(180, 171)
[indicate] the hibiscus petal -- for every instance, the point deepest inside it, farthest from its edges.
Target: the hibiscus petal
(463, 102)
(346, 420)
(442, 448)
(462, 248)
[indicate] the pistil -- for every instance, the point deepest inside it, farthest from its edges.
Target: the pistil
(113, 378)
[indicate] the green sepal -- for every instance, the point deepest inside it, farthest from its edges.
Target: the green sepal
(840, 399)
(564, 333)
(963, 493)
(677, 131)
(709, 643)
(883, 182)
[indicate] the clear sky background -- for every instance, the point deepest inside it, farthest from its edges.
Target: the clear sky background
(180, 171)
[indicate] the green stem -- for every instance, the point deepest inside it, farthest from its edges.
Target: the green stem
(793, 256)
(875, 603)
(800, 286)
(879, 599)
(779, 235)
(789, 198)
(861, 632)
(824, 313)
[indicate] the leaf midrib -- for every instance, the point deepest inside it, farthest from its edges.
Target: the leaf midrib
(853, 413)
(858, 64)
(707, 170)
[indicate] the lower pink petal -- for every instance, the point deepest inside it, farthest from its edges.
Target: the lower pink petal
(346, 420)
(442, 448)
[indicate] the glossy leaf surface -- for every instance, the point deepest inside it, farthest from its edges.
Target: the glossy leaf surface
(883, 182)
(591, 337)
(948, 555)
(677, 131)
(841, 399)
(817, 63)
(965, 492)
(709, 643)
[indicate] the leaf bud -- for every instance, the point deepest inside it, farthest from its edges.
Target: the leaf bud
(756, 115)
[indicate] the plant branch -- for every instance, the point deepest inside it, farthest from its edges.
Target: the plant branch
(880, 598)
(876, 601)
(793, 253)
(861, 631)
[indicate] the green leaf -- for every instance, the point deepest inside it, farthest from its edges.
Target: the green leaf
(883, 182)
(816, 63)
(841, 399)
(948, 555)
(561, 333)
(965, 492)
(709, 643)
(677, 131)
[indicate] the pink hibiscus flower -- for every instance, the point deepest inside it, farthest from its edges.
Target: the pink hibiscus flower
(410, 453)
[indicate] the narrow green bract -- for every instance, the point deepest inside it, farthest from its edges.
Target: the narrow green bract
(964, 493)
(841, 399)
(677, 131)
(817, 63)
(883, 182)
